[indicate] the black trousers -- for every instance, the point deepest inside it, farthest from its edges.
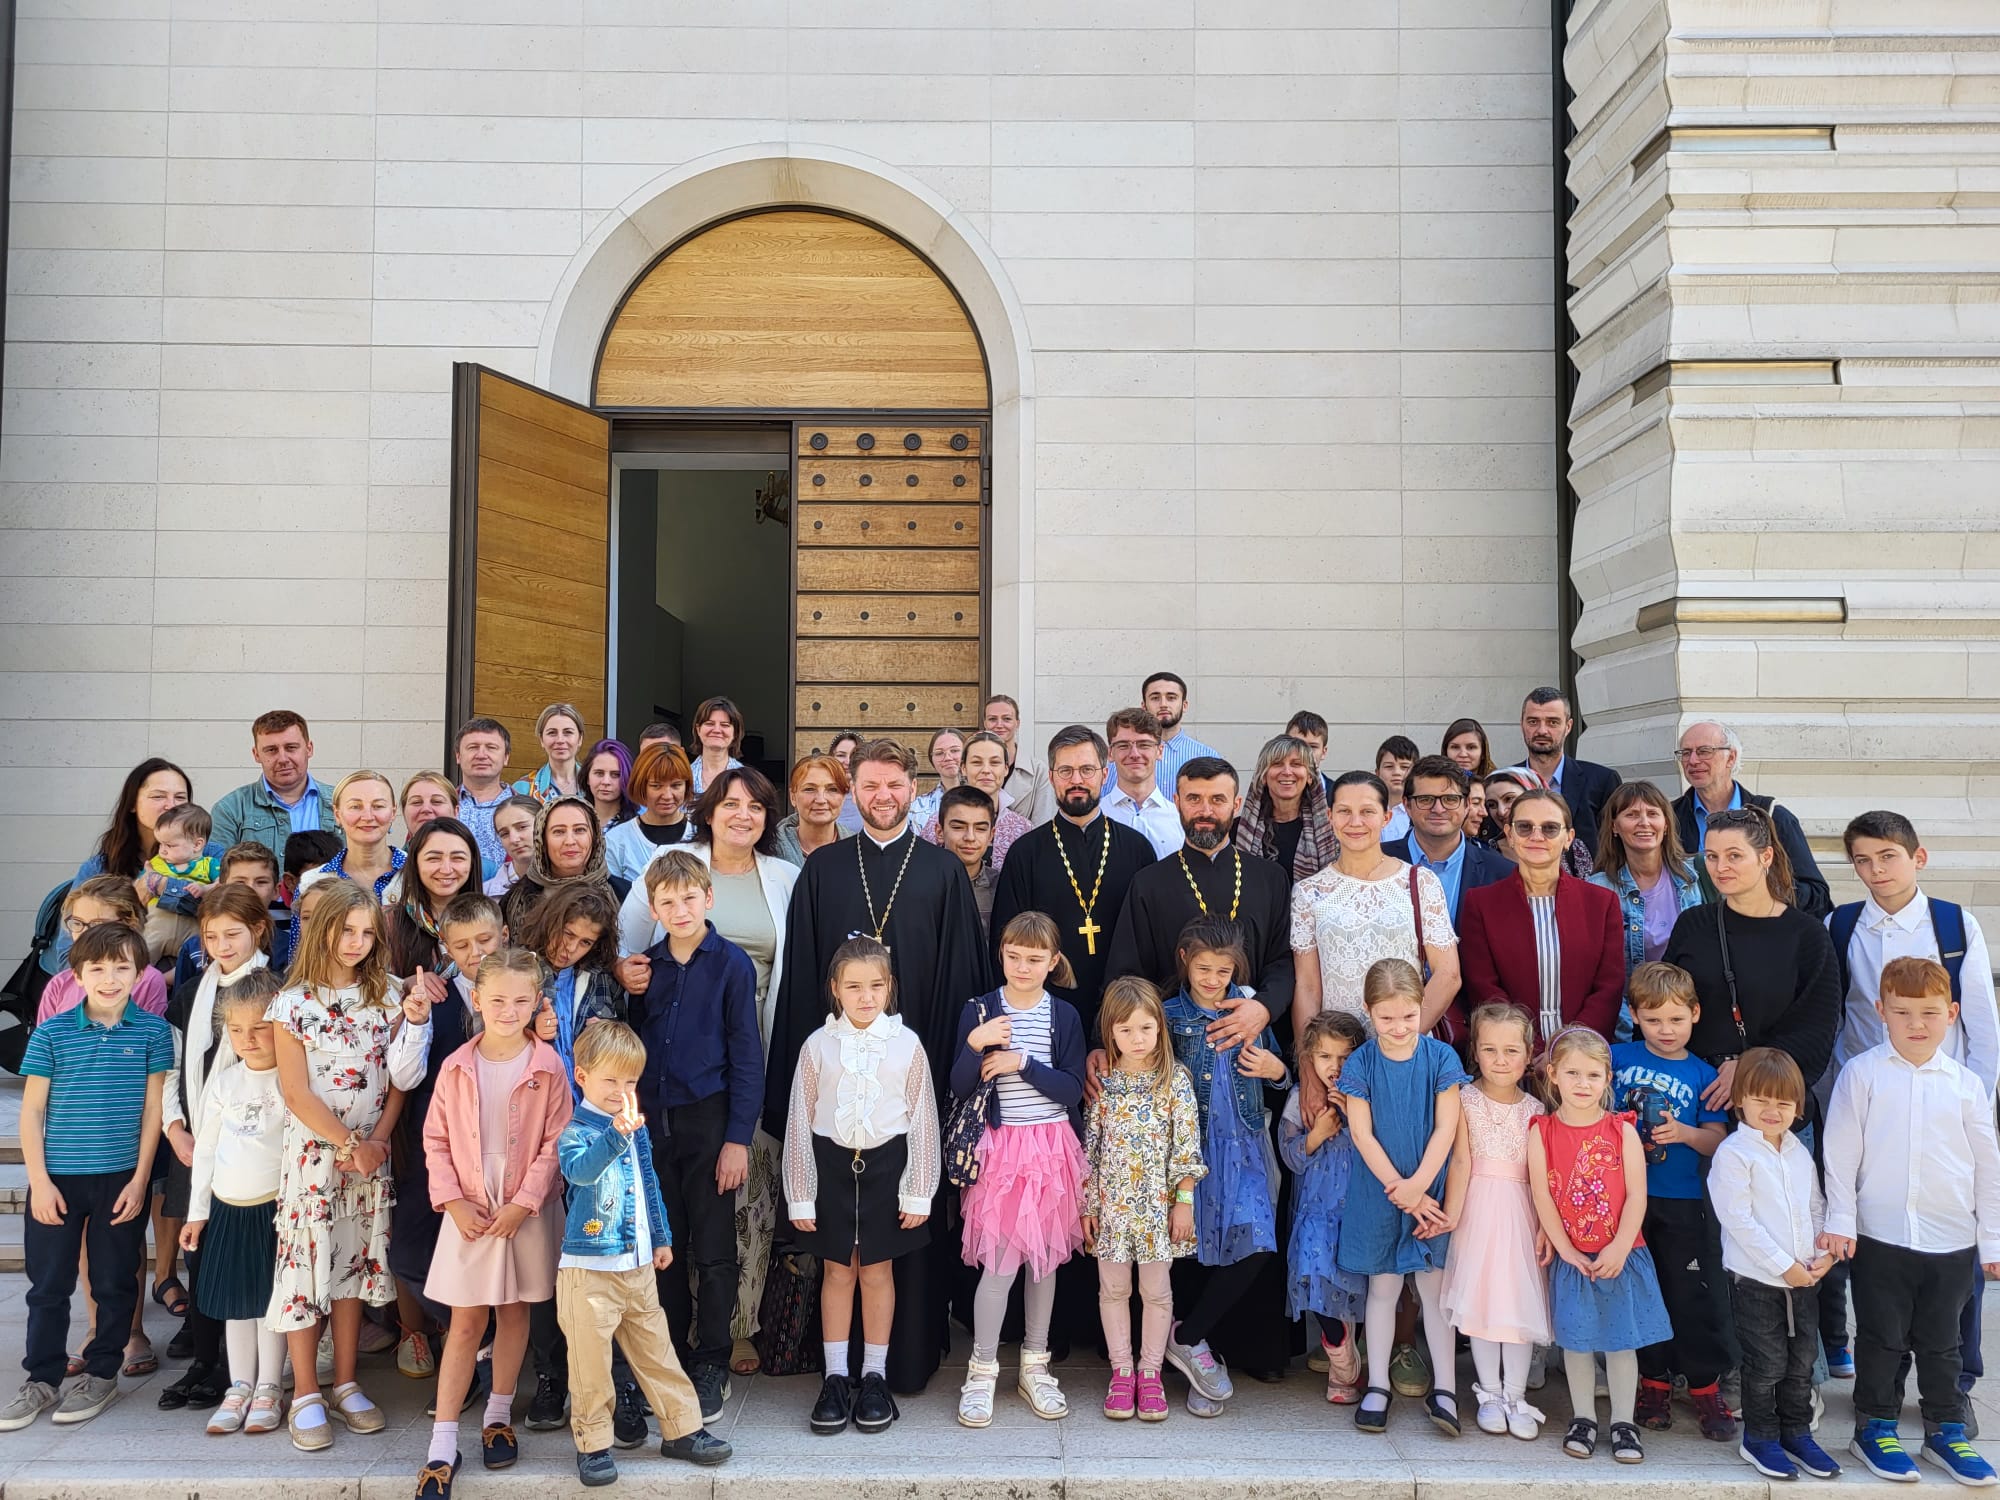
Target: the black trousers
(1971, 1358)
(1687, 1256)
(1908, 1301)
(204, 1331)
(52, 1252)
(1207, 1295)
(704, 1229)
(1779, 1329)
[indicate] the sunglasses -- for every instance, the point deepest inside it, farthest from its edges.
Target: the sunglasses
(1549, 831)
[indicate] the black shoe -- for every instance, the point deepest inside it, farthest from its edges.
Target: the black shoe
(549, 1407)
(181, 1345)
(699, 1447)
(475, 1393)
(181, 1393)
(711, 1388)
(595, 1469)
(874, 1407)
(628, 1418)
(835, 1407)
(434, 1480)
(498, 1447)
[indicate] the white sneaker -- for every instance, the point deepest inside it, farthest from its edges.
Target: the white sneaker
(374, 1337)
(1523, 1420)
(1538, 1367)
(414, 1358)
(1041, 1389)
(975, 1397)
(1492, 1409)
(235, 1406)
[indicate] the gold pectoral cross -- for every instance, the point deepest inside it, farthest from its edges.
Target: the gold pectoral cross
(1089, 931)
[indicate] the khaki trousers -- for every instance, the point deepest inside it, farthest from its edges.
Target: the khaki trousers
(597, 1306)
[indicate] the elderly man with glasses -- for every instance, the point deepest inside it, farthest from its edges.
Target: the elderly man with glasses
(1708, 756)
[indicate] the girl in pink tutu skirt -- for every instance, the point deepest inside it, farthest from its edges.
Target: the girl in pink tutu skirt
(1496, 1291)
(497, 1110)
(1026, 1207)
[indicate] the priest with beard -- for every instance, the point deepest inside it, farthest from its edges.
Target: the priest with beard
(888, 884)
(1210, 877)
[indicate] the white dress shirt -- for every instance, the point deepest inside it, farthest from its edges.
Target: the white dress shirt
(1153, 815)
(1881, 936)
(1911, 1155)
(1767, 1204)
(859, 1087)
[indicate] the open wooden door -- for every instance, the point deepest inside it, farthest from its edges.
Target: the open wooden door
(530, 559)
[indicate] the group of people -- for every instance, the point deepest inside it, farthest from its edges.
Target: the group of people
(630, 1073)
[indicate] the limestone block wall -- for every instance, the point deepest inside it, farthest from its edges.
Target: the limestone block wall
(1786, 256)
(1285, 271)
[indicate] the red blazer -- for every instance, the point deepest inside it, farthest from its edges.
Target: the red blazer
(1496, 952)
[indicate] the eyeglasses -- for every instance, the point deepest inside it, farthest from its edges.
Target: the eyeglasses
(75, 926)
(1074, 773)
(1700, 752)
(1550, 831)
(1126, 747)
(1425, 801)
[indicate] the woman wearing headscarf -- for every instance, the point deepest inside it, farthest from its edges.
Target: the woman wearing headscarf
(1284, 817)
(569, 850)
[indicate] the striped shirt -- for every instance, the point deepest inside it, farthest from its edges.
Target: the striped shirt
(1548, 959)
(1033, 1036)
(97, 1086)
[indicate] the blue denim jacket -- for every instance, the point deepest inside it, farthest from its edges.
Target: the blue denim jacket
(599, 1171)
(1187, 1029)
(1632, 907)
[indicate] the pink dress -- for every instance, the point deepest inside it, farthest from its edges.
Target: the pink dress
(1493, 1289)
(491, 1272)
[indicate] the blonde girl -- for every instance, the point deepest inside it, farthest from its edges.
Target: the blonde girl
(1587, 1171)
(1024, 1209)
(1142, 1158)
(233, 1200)
(1495, 1289)
(1321, 1158)
(497, 1109)
(1402, 1105)
(364, 805)
(334, 1021)
(861, 1167)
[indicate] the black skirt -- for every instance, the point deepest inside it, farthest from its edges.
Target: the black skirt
(857, 1206)
(239, 1255)
(179, 1182)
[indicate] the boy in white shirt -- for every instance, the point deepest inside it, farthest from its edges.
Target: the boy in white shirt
(1766, 1200)
(1913, 1199)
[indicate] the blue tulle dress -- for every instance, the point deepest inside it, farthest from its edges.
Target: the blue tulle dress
(1314, 1281)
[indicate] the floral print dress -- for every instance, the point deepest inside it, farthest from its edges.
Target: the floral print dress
(333, 1225)
(1139, 1143)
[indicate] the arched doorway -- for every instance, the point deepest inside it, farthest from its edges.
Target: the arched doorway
(789, 424)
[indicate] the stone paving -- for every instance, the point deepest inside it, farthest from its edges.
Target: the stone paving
(1273, 1443)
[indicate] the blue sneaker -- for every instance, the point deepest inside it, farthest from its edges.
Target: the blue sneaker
(1809, 1456)
(1948, 1449)
(1767, 1457)
(1882, 1453)
(1839, 1362)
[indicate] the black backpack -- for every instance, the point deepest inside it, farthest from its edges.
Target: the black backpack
(23, 992)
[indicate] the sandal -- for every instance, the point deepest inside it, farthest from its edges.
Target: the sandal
(73, 1367)
(1625, 1446)
(1581, 1439)
(175, 1301)
(136, 1365)
(743, 1358)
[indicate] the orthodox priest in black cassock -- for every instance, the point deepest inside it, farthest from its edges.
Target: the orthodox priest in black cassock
(1209, 876)
(915, 898)
(1074, 869)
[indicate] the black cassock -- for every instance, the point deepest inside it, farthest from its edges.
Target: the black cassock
(1034, 879)
(1160, 903)
(938, 957)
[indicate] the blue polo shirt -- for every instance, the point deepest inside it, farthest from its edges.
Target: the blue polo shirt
(97, 1086)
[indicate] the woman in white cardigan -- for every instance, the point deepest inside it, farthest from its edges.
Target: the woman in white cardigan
(736, 836)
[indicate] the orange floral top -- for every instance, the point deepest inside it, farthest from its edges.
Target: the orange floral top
(1587, 1176)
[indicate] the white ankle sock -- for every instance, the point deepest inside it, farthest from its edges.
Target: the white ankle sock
(444, 1442)
(836, 1357)
(499, 1410)
(874, 1359)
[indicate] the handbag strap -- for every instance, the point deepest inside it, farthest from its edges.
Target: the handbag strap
(1729, 969)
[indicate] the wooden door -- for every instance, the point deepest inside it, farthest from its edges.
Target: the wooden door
(530, 558)
(890, 579)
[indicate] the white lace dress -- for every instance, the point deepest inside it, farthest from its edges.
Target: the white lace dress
(1354, 923)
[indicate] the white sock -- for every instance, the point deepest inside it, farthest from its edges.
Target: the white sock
(309, 1414)
(349, 1396)
(499, 1410)
(874, 1359)
(836, 1357)
(444, 1443)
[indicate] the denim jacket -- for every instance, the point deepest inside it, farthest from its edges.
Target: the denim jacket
(1187, 1029)
(598, 1168)
(1632, 907)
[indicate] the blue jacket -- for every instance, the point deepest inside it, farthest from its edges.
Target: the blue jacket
(1632, 907)
(699, 1023)
(1481, 866)
(1060, 1079)
(1187, 1031)
(598, 1168)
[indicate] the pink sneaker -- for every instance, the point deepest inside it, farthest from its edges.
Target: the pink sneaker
(1152, 1400)
(1118, 1399)
(1343, 1371)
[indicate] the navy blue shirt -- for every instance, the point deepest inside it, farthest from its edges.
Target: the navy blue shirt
(1637, 1072)
(699, 1023)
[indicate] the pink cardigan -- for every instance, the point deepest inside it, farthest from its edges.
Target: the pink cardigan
(536, 1114)
(64, 991)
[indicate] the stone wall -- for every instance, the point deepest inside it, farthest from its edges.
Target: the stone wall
(1287, 290)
